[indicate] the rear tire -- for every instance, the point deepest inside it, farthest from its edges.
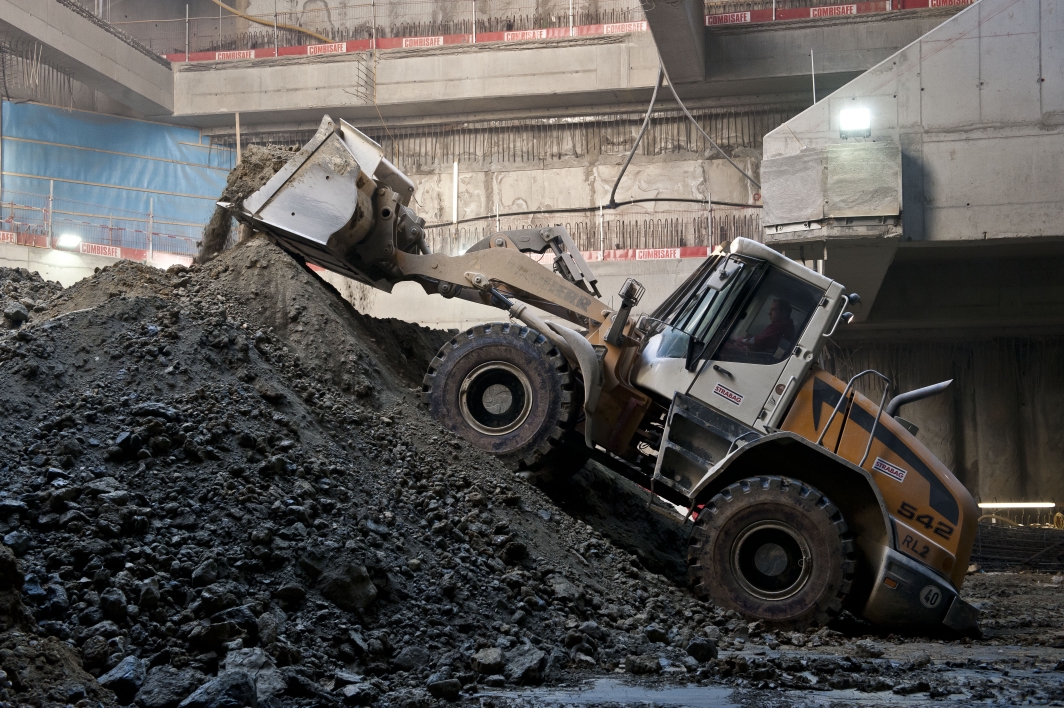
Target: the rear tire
(774, 549)
(508, 391)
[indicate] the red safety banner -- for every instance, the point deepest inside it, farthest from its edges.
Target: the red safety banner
(96, 249)
(728, 18)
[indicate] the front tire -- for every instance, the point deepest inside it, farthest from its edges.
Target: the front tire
(774, 549)
(507, 390)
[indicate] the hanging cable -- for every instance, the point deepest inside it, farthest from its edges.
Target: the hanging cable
(584, 210)
(704, 133)
(646, 121)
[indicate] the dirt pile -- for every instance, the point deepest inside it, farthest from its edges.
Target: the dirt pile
(23, 295)
(257, 164)
(223, 472)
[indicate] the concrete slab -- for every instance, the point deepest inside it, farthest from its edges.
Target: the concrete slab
(489, 79)
(91, 52)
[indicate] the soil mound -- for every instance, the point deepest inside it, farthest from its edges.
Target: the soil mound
(257, 164)
(23, 295)
(222, 471)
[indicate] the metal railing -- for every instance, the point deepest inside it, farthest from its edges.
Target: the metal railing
(405, 18)
(49, 218)
(408, 18)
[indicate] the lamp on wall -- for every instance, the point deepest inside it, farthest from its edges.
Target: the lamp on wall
(68, 242)
(855, 123)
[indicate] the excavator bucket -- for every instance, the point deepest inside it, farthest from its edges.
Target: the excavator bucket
(317, 194)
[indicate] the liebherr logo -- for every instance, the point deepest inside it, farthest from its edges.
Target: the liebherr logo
(727, 394)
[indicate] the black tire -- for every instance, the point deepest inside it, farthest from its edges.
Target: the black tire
(773, 549)
(491, 365)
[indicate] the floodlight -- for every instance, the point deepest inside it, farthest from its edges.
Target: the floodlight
(1016, 505)
(855, 123)
(68, 242)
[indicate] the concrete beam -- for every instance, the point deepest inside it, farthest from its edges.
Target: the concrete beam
(89, 51)
(679, 31)
(584, 72)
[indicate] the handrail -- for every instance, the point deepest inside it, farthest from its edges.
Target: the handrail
(879, 411)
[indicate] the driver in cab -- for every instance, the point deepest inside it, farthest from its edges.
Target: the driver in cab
(780, 328)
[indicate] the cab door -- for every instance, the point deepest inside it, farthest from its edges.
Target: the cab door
(747, 360)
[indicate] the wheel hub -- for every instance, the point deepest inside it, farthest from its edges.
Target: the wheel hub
(495, 398)
(770, 559)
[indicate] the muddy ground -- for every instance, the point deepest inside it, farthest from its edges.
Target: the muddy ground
(218, 488)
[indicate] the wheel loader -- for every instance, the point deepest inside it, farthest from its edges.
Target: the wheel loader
(804, 497)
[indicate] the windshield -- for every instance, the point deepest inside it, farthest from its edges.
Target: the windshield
(699, 310)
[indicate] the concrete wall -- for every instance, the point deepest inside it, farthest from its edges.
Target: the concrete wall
(63, 266)
(535, 76)
(977, 106)
(998, 425)
(90, 52)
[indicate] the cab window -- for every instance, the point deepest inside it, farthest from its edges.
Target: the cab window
(770, 323)
(703, 312)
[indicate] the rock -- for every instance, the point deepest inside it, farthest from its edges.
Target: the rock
(113, 604)
(413, 657)
(10, 575)
(205, 574)
(232, 689)
(16, 312)
(488, 661)
(527, 668)
(270, 625)
(149, 595)
(702, 650)
(155, 409)
(269, 682)
(655, 633)
(359, 694)
(564, 591)
(348, 587)
(19, 542)
(291, 593)
(165, 687)
(592, 629)
(907, 689)
(447, 689)
(94, 652)
(645, 664)
(125, 679)
(867, 649)
(345, 678)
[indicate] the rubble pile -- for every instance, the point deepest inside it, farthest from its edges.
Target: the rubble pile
(223, 472)
(23, 294)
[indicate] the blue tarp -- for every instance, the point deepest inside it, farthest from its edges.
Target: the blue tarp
(112, 162)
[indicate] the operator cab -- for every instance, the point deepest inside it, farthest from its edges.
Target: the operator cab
(739, 332)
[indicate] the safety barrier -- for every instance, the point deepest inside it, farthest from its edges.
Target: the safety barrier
(40, 221)
(420, 24)
(768, 11)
